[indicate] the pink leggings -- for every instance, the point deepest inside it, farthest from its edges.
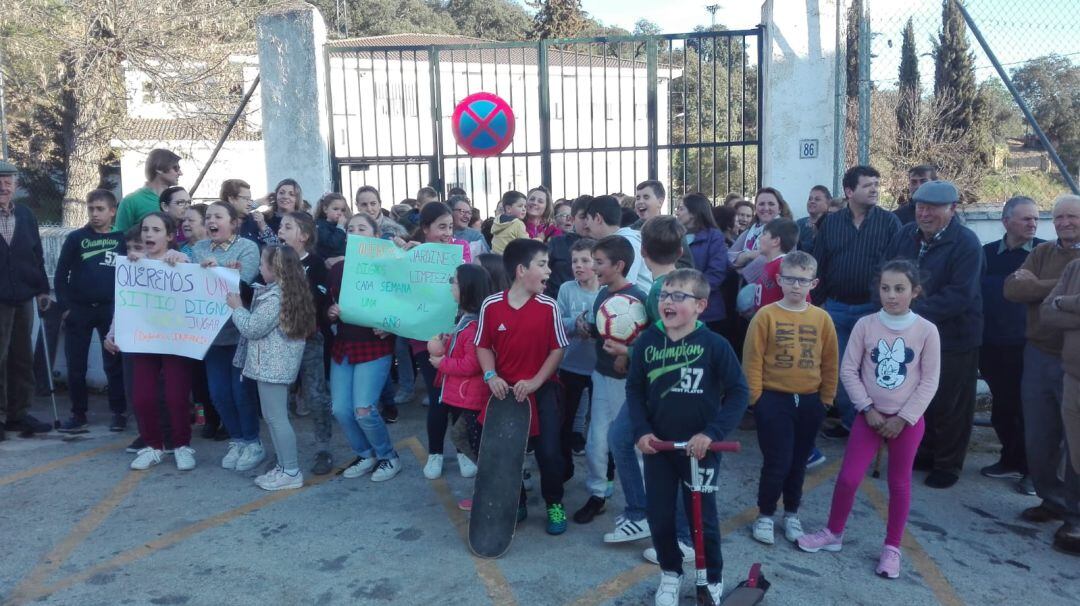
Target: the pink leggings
(861, 448)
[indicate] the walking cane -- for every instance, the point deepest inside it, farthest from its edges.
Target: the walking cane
(48, 365)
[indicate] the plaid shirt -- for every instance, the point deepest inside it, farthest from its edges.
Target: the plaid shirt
(924, 244)
(7, 222)
(360, 351)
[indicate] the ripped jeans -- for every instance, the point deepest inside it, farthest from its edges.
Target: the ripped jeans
(354, 391)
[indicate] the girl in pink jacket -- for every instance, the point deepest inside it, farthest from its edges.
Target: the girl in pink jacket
(890, 370)
(460, 380)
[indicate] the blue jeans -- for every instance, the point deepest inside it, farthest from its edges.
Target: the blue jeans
(231, 399)
(608, 398)
(356, 387)
(844, 317)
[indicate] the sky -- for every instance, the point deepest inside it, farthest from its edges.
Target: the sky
(1017, 30)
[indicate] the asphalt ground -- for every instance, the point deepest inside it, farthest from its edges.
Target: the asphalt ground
(79, 527)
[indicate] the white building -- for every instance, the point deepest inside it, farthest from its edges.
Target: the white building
(151, 123)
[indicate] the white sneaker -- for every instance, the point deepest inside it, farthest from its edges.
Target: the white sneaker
(716, 590)
(667, 593)
(629, 530)
(687, 554)
(360, 467)
(433, 467)
(466, 466)
(281, 480)
(147, 458)
(792, 528)
(185, 458)
(232, 455)
(388, 468)
(276, 469)
(250, 457)
(763, 531)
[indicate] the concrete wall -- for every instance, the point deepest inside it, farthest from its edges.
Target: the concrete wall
(294, 111)
(802, 89)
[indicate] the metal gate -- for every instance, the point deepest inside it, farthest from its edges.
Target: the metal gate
(593, 115)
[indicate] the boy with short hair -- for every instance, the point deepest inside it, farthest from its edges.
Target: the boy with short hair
(576, 298)
(510, 225)
(685, 385)
(612, 257)
(779, 237)
(85, 276)
(519, 344)
(791, 362)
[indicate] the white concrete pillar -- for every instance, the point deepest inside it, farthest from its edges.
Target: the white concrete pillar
(295, 123)
(803, 84)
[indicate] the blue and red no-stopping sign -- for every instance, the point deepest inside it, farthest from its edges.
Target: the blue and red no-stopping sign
(483, 124)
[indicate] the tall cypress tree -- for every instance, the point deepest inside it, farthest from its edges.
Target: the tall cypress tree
(954, 73)
(910, 91)
(854, 16)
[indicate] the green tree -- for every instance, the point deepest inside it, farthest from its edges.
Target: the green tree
(1051, 87)
(490, 19)
(954, 71)
(381, 17)
(558, 19)
(644, 27)
(910, 91)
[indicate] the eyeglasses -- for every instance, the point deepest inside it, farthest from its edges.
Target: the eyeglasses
(464, 211)
(186, 202)
(676, 296)
(792, 280)
(562, 216)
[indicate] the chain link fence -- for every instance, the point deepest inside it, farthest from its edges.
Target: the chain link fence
(1002, 156)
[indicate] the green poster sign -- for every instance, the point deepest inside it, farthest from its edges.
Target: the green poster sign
(406, 292)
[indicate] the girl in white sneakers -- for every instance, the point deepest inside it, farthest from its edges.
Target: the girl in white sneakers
(890, 370)
(273, 334)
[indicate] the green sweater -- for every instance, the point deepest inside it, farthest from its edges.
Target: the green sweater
(134, 207)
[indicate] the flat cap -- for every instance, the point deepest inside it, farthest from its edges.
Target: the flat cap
(7, 168)
(936, 192)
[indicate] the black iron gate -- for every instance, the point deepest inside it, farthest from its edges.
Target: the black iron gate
(593, 115)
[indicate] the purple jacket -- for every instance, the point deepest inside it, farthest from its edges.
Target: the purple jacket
(711, 258)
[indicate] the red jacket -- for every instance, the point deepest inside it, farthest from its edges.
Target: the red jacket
(460, 377)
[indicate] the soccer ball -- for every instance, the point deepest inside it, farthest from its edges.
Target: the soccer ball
(621, 318)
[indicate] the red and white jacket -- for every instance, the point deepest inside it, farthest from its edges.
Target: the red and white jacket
(460, 378)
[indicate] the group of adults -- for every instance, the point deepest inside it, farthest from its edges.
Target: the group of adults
(999, 308)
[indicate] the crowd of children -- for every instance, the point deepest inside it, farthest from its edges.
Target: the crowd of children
(526, 326)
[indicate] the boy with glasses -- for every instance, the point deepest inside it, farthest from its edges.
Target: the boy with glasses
(791, 362)
(684, 384)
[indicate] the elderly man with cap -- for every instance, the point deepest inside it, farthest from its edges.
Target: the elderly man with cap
(22, 283)
(1041, 386)
(949, 257)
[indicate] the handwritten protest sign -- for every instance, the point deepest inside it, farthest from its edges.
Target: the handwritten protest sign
(403, 292)
(170, 309)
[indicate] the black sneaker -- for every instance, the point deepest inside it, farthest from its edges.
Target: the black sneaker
(390, 413)
(222, 434)
(75, 424)
(119, 423)
(136, 445)
(208, 432)
(999, 470)
(836, 432)
(324, 463)
(523, 512)
(941, 479)
(29, 425)
(592, 508)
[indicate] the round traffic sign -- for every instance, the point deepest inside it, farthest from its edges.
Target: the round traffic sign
(483, 124)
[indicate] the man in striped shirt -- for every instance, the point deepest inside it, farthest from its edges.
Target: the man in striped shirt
(849, 247)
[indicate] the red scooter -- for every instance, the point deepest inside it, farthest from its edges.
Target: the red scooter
(750, 591)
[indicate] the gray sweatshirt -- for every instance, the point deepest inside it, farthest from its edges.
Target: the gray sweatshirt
(580, 355)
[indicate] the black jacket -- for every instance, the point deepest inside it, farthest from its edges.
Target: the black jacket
(22, 262)
(951, 270)
(676, 389)
(86, 269)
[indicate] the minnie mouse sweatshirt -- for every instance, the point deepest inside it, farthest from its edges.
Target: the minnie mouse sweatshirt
(892, 363)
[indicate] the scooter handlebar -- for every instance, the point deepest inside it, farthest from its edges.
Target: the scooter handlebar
(715, 446)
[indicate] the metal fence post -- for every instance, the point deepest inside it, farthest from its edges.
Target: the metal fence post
(435, 83)
(545, 113)
(864, 86)
(652, 110)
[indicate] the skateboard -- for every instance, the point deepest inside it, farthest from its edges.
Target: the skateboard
(497, 487)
